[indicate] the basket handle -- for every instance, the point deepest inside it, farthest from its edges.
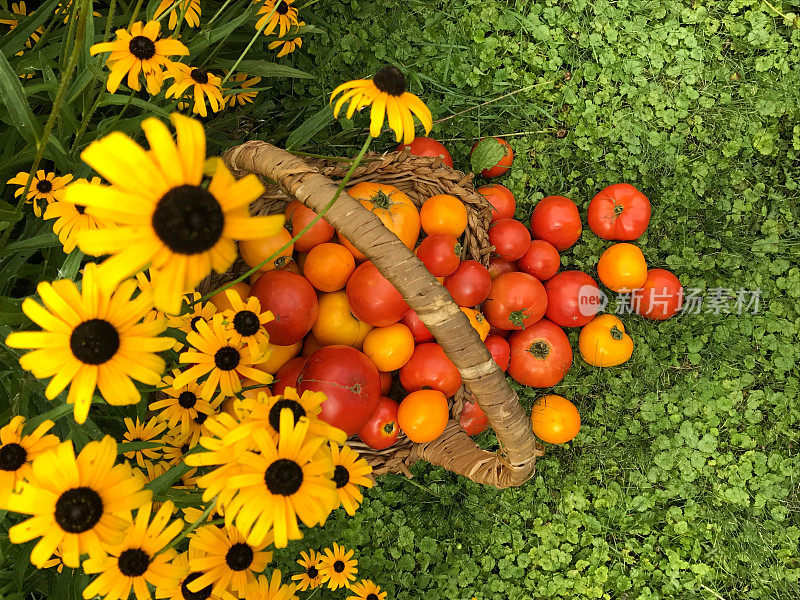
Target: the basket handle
(454, 449)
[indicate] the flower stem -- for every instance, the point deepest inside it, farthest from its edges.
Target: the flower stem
(250, 45)
(191, 527)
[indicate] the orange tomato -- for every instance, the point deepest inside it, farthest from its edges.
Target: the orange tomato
(279, 356)
(423, 415)
(555, 419)
(290, 265)
(478, 321)
(390, 347)
(335, 323)
(297, 217)
(221, 301)
(253, 252)
(328, 266)
(622, 268)
(445, 214)
(310, 344)
(394, 208)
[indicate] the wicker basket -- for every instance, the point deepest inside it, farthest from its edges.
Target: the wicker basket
(289, 177)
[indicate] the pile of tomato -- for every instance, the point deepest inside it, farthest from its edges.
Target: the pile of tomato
(342, 329)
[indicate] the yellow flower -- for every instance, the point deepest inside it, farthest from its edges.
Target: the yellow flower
(18, 451)
(139, 560)
(80, 505)
(198, 311)
(164, 216)
(289, 45)
(181, 575)
(281, 14)
(140, 51)
(244, 324)
(140, 432)
(183, 409)
(271, 589)
(191, 514)
(349, 472)
(311, 577)
(44, 186)
(71, 220)
(191, 16)
(240, 80)
(338, 567)
(174, 449)
(386, 93)
(203, 84)
(91, 339)
(366, 590)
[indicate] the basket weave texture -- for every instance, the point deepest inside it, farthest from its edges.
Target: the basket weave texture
(313, 182)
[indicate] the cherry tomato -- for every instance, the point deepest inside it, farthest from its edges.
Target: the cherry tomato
(555, 219)
(660, 297)
(328, 266)
(619, 212)
(372, 298)
(498, 266)
(440, 253)
(472, 418)
(541, 260)
(254, 252)
(287, 375)
(429, 368)
(516, 301)
(349, 381)
(503, 165)
(297, 217)
(501, 199)
(336, 324)
(292, 301)
(573, 299)
(425, 146)
(417, 327)
(622, 268)
(540, 355)
(445, 214)
(500, 349)
(555, 419)
(381, 430)
(423, 415)
(510, 239)
(390, 347)
(470, 284)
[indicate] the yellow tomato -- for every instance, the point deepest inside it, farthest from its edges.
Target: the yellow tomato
(254, 252)
(478, 321)
(221, 301)
(555, 419)
(389, 348)
(335, 323)
(423, 415)
(622, 268)
(604, 343)
(279, 356)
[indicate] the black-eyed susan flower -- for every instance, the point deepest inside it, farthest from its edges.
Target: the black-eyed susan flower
(311, 577)
(71, 220)
(187, 320)
(338, 567)
(92, 339)
(366, 590)
(20, 9)
(190, 8)
(203, 84)
(271, 588)
(243, 82)
(163, 215)
(279, 15)
(386, 93)
(174, 449)
(18, 451)
(142, 432)
(349, 472)
(225, 363)
(44, 186)
(139, 51)
(184, 410)
(226, 560)
(140, 559)
(192, 514)
(285, 480)
(181, 576)
(244, 323)
(145, 287)
(81, 505)
(289, 44)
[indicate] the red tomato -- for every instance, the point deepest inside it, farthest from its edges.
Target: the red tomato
(503, 333)
(541, 260)
(501, 199)
(498, 266)
(417, 327)
(386, 382)
(472, 418)
(503, 165)
(500, 350)
(619, 212)
(287, 375)
(510, 239)
(297, 217)
(425, 146)
(381, 430)
(440, 254)
(349, 381)
(372, 298)
(470, 284)
(429, 368)
(516, 301)
(573, 299)
(540, 355)
(555, 219)
(292, 301)
(661, 296)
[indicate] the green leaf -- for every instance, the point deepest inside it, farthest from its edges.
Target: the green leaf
(263, 69)
(14, 98)
(486, 154)
(310, 127)
(120, 100)
(135, 446)
(37, 242)
(164, 481)
(14, 41)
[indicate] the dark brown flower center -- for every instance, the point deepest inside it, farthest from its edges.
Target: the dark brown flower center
(200, 418)
(372, 596)
(203, 594)
(283, 477)
(78, 510)
(239, 557)
(185, 448)
(341, 476)
(282, 8)
(246, 323)
(199, 76)
(227, 358)
(312, 572)
(142, 47)
(44, 186)
(133, 562)
(390, 79)
(81, 209)
(338, 566)
(275, 412)
(188, 219)
(12, 457)
(193, 323)
(187, 399)
(94, 342)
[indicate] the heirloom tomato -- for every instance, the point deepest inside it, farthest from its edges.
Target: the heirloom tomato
(390, 347)
(501, 199)
(417, 327)
(500, 350)
(472, 418)
(505, 161)
(619, 212)
(516, 301)
(604, 343)
(540, 355)
(622, 268)
(440, 253)
(254, 252)
(444, 214)
(328, 266)
(336, 324)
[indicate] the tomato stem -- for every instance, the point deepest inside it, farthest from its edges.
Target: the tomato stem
(616, 333)
(382, 200)
(618, 209)
(518, 318)
(539, 349)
